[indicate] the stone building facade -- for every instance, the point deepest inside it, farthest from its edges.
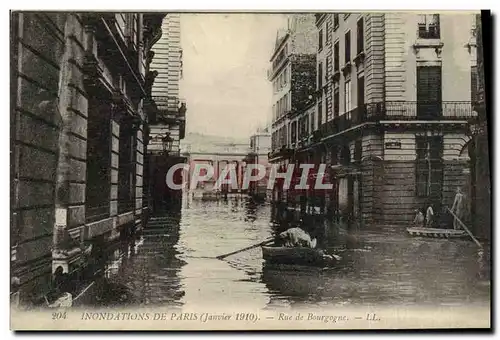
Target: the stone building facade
(393, 98)
(78, 122)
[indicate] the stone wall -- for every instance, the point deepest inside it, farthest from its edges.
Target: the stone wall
(38, 47)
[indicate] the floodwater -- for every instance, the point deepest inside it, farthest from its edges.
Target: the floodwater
(173, 264)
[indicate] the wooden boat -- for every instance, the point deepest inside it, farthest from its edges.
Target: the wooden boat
(297, 256)
(437, 232)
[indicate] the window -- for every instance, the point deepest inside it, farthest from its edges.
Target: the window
(306, 126)
(473, 85)
(293, 132)
(361, 92)
(360, 42)
(429, 92)
(429, 27)
(320, 113)
(285, 76)
(320, 40)
(320, 75)
(98, 186)
(335, 21)
(429, 167)
(357, 150)
(347, 96)
(126, 171)
(336, 104)
(312, 122)
(336, 55)
(347, 54)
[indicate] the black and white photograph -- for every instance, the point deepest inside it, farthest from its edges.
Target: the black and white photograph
(236, 170)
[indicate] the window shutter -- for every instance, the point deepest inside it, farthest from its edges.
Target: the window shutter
(429, 92)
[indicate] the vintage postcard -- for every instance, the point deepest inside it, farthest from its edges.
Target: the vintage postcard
(249, 171)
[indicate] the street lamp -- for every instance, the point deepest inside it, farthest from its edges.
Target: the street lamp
(166, 143)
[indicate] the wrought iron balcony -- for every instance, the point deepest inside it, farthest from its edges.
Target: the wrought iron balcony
(399, 111)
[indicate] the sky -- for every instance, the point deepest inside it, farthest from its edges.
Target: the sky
(225, 62)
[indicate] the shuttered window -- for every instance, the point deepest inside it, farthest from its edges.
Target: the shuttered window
(360, 36)
(347, 47)
(429, 166)
(336, 104)
(320, 40)
(320, 75)
(429, 92)
(320, 113)
(473, 84)
(336, 57)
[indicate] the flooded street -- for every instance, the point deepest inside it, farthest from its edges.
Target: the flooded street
(173, 264)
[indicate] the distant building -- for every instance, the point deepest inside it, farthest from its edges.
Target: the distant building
(168, 121)
(217, 152)
(394, 97)
(293, 75)
(260, 146)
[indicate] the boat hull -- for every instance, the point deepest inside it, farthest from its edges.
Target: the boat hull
(437, 233)
(295, 256)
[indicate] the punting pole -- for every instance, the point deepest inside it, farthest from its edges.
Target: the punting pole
(465, 228)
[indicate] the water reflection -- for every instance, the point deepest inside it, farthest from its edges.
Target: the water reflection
(173, 263)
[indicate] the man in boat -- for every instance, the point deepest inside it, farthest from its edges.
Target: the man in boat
(296, 237)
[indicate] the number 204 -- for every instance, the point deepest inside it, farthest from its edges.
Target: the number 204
(58, 315)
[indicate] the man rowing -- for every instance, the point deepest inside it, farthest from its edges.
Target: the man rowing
(296, 237)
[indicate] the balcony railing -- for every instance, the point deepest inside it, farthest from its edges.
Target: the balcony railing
(398, 110)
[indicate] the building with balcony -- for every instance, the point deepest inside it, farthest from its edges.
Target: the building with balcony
(392, 109)
(168, 120)
(78, 123)
(293, 75)
(480, 156)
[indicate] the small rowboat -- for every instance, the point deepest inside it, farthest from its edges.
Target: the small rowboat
(297, 256)
(437, 233)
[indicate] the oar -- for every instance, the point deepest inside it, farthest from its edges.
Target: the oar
(269, 240)
(465, 228)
